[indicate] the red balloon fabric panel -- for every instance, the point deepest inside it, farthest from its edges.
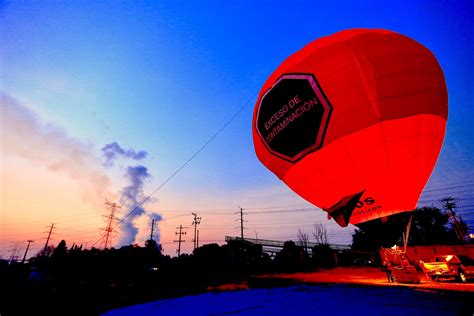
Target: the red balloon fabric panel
(354, 123)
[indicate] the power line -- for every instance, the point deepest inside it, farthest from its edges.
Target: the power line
(190, 158)
(272, 207)
(98, 240)
(213, 211)
(440, 185)
(73, 231)
(57, 222)
(462, 206)
(466, 212)
(447, 188)
(285, 211)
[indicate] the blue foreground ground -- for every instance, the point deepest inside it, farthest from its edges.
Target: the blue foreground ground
(320, 299)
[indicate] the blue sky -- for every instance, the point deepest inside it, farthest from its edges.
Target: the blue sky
(165, 76)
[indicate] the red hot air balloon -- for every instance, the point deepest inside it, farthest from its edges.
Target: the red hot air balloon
(354, 123)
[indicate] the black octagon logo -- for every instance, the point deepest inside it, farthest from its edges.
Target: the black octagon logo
(293, 116)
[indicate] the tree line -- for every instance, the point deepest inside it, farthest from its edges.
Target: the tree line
(77, 281)
(429, 226)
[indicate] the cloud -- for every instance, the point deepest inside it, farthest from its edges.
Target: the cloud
(25, 135)
(113, 150)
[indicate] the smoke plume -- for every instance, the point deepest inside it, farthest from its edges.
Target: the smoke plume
(131, 196)
(24, 134)
(113, 150)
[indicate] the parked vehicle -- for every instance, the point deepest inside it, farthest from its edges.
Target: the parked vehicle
(449, 266)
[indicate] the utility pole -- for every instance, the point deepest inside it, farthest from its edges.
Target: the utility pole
(407, 235)
(47, 239)
(108, 230)
(241, 223)
(152, 226)
(180, 240)
(197, 241)
(256, 236)
(449, 206)
(196, 221)
(26, 251)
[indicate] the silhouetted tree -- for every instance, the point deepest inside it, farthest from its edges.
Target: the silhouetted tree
(46, 252)
(153, 246)
(210, 257)
(430, 226)
(320, 233)
(303, 239)
(323, 256)
(363, 239)
(60, 251)
(291, 258)
(382, 232)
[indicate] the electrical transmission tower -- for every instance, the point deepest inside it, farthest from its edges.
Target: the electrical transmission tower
(449, 206)
(109, 219)
(241, 219)
(180, 239)
(196, 221)
(13, 256)
(26, 251)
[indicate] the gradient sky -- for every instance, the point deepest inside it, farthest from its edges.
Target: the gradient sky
(164, 77)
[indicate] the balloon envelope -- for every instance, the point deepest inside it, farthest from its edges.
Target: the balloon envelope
(354, 123)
